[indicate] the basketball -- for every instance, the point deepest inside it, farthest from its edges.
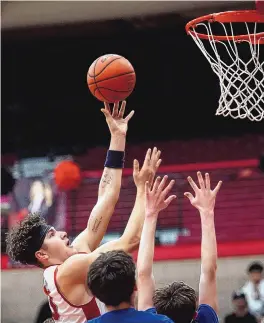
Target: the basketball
(111, 78)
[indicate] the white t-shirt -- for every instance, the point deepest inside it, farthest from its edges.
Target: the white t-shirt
(255, 306)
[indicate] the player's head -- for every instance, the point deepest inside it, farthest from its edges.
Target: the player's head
(255, 271)
(177, 301)
(34, 242)
(239, 301)
(111, 278)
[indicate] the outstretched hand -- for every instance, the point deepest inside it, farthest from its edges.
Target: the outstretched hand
(204, 199)
(156, 198)
(148, 171)
(116, 122)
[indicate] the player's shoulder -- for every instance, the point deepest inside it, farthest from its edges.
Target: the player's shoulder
(95, 320)
(206, 314)
(154, 317)
(71, 264)
(48, 272)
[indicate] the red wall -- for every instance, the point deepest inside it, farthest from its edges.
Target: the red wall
(184, 152)
(240, 204)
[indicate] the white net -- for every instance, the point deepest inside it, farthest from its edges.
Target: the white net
(239, 66)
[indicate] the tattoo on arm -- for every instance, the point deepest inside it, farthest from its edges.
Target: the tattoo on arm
(106, 179)
(96, 224)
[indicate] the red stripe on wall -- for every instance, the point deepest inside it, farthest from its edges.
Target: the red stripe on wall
(192, 251)
(187, 167)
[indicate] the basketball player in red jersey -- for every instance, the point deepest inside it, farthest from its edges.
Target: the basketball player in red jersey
(66, 266)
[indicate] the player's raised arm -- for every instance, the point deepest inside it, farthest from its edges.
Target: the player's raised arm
(75, 268)
(204, 201)
(148, 171)
(110, 184)
(156, 200)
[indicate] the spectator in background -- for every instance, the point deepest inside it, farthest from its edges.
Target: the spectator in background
(254, 290)
(240, 314)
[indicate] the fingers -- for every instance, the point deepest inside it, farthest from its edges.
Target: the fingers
(200, 180)
(192, 183)
(169, 200)
(158, 163)
(207, 181)
(147, 189)
(154, 153)
(147, 158)
(162, 183)
(107, 107)
(122, 110)
(136, 166)
(115, 110)
(189, 195)
(128, 117)
(168, 188)
(118, 113)
(156, 184)
(106, 113)
(217, 188)
(154, 160)
(158, 154)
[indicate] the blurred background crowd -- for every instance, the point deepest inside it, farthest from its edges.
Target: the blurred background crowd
(51, 123)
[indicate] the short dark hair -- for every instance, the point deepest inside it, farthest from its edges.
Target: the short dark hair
(25, 238)
(238, 295)
(111, 277)
(177, 301)
(255, 266)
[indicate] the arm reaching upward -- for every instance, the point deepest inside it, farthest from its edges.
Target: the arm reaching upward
(74, 270)
(204, 201)
(148, 171)
(110, 184)
(155, 202)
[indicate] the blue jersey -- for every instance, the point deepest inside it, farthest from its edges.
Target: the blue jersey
(206, 314)
(130, 315)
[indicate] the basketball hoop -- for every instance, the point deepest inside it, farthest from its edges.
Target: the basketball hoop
(230, 41)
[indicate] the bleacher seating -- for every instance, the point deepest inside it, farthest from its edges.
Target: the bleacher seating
(239, 207)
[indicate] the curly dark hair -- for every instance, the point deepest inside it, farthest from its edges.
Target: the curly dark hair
(23, 240)
(112, 277)
(177, 301)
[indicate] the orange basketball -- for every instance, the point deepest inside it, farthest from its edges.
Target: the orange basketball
(111, 78)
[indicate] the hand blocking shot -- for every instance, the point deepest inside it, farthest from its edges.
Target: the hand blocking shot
(178, 301)
(112, 276)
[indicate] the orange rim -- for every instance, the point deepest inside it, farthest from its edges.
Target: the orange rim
(229, 16)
